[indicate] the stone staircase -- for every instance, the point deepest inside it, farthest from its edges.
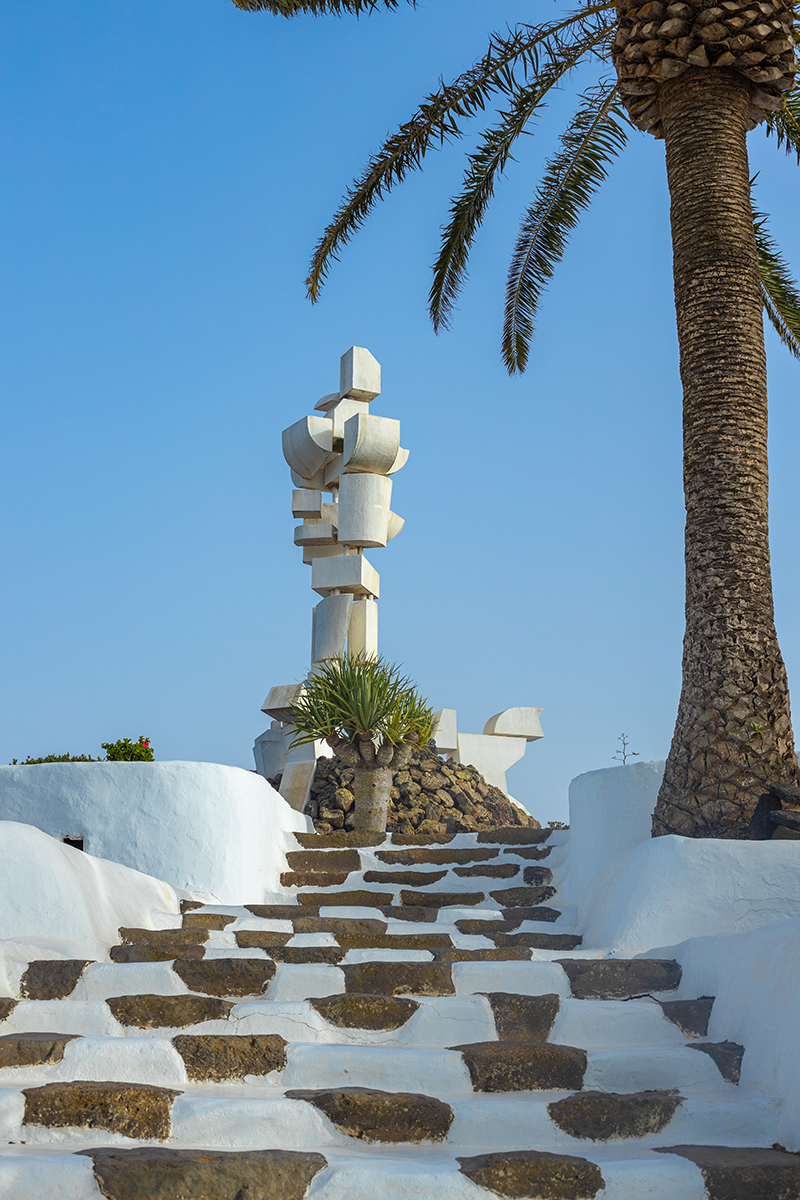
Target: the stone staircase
(408, 1019)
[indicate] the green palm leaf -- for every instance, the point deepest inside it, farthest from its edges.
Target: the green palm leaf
(489, 160)
(593, 138)
(438, 120)
(779, 291)
(291, 8)
(785, 125)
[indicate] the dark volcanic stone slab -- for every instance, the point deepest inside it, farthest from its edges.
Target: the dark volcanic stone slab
(226, 976)
(620, 978)
(513, 835)
(353, 1011)
(280, 912)
(324, 860)
(516, 897)
(188, 905)
(374, 1116)
(404, 878)
(33, 1049)
(351, 926)
(7, 1006)
(398, 978)
(519, 1018)
(214, 1057)
(522, 1173)
(531, 852)
(160, 1174)
(787, 818)
(537, 876)
(487, 928)
(523, 1066)
(419, 839)
(499, 954)
(332, 955)
(536, 913)
(727, 1056)
(691, 1016)
(360, 898)
(411, 912)
(260, 939)
(441, 899)
(314, 841)
(491, 871)
(161, 953)
(132, 1109)
(539, 941)
(424, 854)
(322, 879)
(161, 937)
(606, 1116)
(395, 941)
(52, 978)
(207, 920)
(743, 1172)
(167, 1012)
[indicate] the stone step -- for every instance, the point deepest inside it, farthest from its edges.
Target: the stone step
(359, 1170)
(321, 1117)
(620, 979)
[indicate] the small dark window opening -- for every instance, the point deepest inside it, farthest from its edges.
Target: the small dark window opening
(75, 842)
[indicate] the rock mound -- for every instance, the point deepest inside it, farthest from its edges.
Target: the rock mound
(429, 796)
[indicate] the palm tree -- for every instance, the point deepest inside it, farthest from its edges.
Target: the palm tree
(372, 717)
(698, 74)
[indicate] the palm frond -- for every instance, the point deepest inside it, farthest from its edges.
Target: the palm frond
(593, 138)
(291, 8)
(778, 289)
(437, 121)
(489, 161)
(785, 125)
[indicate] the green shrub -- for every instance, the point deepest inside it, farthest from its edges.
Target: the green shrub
(53, 758)
(127, 751)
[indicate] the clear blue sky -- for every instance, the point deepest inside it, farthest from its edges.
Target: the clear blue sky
(166, 168)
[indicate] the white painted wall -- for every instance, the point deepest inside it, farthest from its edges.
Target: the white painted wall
(56, 902)
(755, 979)
(201, 826)
(672, 888)
(609, 813)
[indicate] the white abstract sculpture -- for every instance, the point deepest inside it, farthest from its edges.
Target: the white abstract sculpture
(503, 741)
(341, 462)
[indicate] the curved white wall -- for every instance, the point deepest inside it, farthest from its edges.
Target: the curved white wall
(199, 826)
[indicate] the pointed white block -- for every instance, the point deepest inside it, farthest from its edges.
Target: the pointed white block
(363, 637)
(492, 756)
(359, 374)
(516, 722)
(306, 503)
(325, 403)
(445, 731)
(371, 444)
(316, 533)
(308, 445)
(269, 751)
(364, 502)
(279, 701)
(299, 767)
(331, 624)
(395, 525)
(350, 573)
(400, 461)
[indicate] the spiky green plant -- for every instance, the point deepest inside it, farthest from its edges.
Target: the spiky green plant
(372, 717)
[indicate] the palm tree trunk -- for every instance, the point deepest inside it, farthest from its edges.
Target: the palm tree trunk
(733, 732)
(372, 790)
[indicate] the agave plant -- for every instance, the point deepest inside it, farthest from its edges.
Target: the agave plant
(372, 717)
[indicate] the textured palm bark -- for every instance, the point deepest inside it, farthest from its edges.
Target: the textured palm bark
(733, 732)
(372, 789)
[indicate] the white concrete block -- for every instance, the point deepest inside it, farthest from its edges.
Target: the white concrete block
(350, 573)
(306, 503)
(331, 472)
(343, 411)
(296, 783)
(359, 374)
(516, 722)
(395, 525)
(280, 699)
(314, 533)
(309, 483)
(445, 731)
(492, 756)
(371, 444)
(311, 553)
(326, 402)
(308, 445)
(330, 513)
(268, 751)
(400, 461)
(331, 625)
(364, 506)
(363, 637)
